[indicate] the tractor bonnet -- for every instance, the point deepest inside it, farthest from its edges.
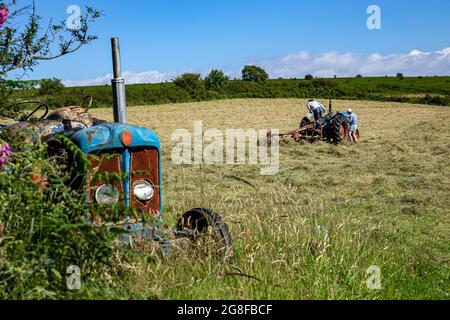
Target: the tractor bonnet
(111, 136)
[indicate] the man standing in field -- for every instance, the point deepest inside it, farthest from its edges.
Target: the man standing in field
(316, 108)
(353, 121)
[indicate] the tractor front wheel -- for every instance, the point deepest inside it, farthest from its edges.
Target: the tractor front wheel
(209, 232)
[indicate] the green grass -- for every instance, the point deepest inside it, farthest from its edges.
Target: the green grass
(394, 86)
(312, 230)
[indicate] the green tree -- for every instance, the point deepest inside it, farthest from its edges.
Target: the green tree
(359, 76)
(254, 73)
(309, 77)
(51, 86)
(24, 45)
(216, 80)
(191, 82)
(400, 76)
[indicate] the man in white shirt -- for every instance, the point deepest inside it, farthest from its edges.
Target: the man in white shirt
(316, 108)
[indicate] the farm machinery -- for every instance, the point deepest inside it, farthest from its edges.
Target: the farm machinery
(118, 167)
(334, 127)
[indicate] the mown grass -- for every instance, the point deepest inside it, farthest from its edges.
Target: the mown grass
(312, 230)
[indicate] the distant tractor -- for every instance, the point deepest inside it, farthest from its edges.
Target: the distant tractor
(333, 127)
(122, 174)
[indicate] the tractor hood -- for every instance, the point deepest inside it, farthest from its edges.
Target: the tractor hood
(110, 136)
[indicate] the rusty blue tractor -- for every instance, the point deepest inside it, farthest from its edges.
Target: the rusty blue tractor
(334, 128)
(123, 173)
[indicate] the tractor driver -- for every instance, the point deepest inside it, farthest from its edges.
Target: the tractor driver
(316, 108)
(353, 121)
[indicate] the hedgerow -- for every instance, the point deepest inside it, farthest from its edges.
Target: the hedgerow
(413, 90)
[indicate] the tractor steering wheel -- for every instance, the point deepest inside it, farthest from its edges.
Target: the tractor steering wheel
(40, 105)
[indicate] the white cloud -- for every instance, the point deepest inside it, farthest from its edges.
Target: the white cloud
(414, 63)
(129, 76)
(297, 65)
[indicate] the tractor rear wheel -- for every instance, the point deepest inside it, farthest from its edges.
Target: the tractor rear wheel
(210, 233)
(339, 130)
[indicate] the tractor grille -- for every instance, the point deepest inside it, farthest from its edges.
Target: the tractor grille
(106, 167)
(144, 166)
(101, 167)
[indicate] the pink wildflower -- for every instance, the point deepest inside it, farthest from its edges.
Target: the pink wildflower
(5, 153)
(3, 15)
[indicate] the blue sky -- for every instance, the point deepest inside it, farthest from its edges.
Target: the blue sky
(172, 36)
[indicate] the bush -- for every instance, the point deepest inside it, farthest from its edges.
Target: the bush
(216, 80)
(50, 87)
(324, 83)
(191, 82)
(254, 74)
(435, 100)
(400, 76)
(43, 231)
(388, 87)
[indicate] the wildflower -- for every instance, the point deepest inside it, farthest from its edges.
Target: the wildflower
(5, 153)
(3, 15)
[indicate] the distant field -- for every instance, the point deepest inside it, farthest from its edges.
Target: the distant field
(312, 230)
(430, 85)
(422, 90)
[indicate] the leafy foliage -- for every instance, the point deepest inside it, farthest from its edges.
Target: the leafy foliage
(254, 73)
(50, 86)
(190, 82)
(44, 230)
(216, 80)
(22, 47)
(7, 89)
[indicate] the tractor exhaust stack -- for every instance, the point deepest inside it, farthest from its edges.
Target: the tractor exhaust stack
(118, 85)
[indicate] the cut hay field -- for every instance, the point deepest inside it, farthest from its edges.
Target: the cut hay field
(312, 230)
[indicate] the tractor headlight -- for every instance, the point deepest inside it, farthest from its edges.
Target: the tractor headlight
(107, 194)
(143, 190)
